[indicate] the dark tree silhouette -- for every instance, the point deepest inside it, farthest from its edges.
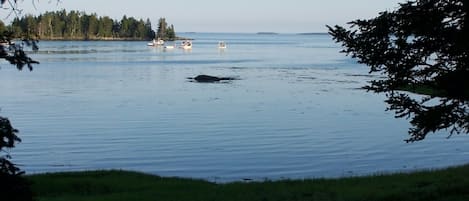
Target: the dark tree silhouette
(421, 47)
(13, 187)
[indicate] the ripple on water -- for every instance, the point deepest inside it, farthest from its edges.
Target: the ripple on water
(295, 112)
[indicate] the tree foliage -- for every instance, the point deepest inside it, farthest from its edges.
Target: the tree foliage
(7, 141)
(421, 45)
(12, 186)
(74, 25)
(165, 31)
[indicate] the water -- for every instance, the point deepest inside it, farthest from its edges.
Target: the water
(295, 112)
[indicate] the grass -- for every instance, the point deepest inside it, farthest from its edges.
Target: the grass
(450, 184)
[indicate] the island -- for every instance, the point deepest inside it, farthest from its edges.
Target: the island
(76, 25)
(267, 33)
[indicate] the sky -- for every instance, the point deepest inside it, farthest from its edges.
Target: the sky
(245, 16)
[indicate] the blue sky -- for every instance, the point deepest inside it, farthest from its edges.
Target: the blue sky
(293, 16)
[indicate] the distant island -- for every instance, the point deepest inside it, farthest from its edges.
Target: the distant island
(267, 33)
(75, 25)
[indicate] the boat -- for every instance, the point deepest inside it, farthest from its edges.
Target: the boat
(169, 46)
(221, 45)
(156, 42)
(6, 44)
(187, 44)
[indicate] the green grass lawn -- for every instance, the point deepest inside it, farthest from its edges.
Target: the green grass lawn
(451, 184)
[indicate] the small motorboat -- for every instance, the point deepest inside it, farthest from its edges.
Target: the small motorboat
(221, 45)
(156, 42)
(187, 44)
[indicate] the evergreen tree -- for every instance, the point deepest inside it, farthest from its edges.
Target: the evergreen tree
(421, 45)
(149, 33)
(92, 30)
(162, 26)
(105, 27)
(170, 33)
(165, 32)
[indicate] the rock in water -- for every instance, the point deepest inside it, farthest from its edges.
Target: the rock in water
(206, 78)
(209, 78)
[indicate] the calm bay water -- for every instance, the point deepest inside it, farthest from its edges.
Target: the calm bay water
(295, 112)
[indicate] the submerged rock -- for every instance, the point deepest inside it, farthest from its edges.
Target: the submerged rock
(209, 78)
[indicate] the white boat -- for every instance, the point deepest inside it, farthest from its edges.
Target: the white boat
(156, 42)
(169, 47)
(7, 44)
(221, 45)
(187, 44)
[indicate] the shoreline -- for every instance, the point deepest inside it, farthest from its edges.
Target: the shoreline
(104, 39)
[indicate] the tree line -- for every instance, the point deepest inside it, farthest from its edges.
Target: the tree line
(74, 25)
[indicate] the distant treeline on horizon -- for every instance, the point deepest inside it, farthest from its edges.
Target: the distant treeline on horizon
(74, 25)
